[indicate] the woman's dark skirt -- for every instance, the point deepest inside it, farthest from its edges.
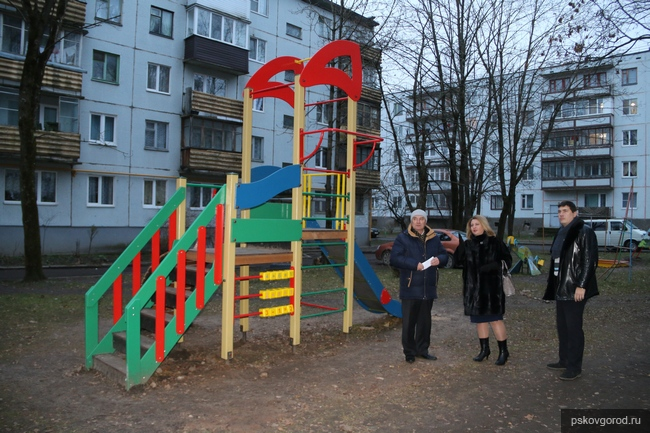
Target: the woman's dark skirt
(486, 318)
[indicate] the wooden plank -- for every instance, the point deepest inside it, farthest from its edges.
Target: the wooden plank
(250, 256)
(323, 234)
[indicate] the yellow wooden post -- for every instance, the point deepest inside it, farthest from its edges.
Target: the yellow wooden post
(296, 209)
(181, 182)
(350, 212)
(229, 250)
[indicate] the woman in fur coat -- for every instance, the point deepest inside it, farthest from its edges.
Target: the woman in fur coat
(481, 255)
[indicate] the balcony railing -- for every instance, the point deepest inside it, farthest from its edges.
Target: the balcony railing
(368, 178)
(577, 183)
(51, 146)
(55, 78)
(196, 159)
(205, 104)
(75, 11)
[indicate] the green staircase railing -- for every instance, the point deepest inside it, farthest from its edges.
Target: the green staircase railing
(140, 367)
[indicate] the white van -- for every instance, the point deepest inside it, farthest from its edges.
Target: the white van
(613, 233)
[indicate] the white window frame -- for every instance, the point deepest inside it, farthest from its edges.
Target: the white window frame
(102, 183)
(160, 135)
(109, 11)
(630, 137)
(204, 197)
(630, 107)
(258, 104)
(156, 80)
(287, 121)
(151, 191)
(257, 50)
(324, 113)
(257, 149)
(38, 179)
(209, 84)
(496, 202)
(22, 45)
(260, 7)
(102, 129)
(527, 201)
(206, 23)
(625, 197)
(324, 27)
(630, 169)
(320, 158)
(9, 107)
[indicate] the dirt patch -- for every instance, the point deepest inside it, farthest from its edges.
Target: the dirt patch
(331, 382)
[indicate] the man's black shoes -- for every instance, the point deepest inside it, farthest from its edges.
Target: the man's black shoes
(410, 359)
(428, 356)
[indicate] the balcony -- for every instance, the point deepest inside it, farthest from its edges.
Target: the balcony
(198, 160)
(75, 11)
(577, 152)
(579, 93)
(601, 183)
(204, 104)
(53, 147)
(215, 54)
(369, 179)
(56, 80)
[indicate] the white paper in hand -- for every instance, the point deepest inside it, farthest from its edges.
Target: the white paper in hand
(427, 262)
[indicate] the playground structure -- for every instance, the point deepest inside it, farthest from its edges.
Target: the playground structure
(526, 258)
(247, 217)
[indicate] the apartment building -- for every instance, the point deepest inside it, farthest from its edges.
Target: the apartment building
(140, 93)
(597, 153)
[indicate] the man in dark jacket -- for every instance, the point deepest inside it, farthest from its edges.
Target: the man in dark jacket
(417, 252)
(571, 281)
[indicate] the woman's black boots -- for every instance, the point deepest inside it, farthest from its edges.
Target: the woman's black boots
(485, 350)
(503, 352)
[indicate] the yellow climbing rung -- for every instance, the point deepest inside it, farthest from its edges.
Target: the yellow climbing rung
(280, 292)
(276, 311)
(276, 275)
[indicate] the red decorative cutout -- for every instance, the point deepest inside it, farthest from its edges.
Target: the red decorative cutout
(264, 88)
(317, 72)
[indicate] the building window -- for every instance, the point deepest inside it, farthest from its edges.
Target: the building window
(529, 174)
(324, 27)
(257, 50)
(529, 118)
(628, 76)
(218, 27)
(161, 22)
(630, 137)
(200, 197)
(109, 10)
(595, 200)
(45, 186)
(287, 121)
(324, 113)
(598, 79)
(155, 135)
(257, 153)
(367, 116)
(260, 6)
(496, 202)
(209, 134)
(558, 85)
(102, 129)
(258, 104)
(320, 159)
(626, 200)
(438, 174)
(526, 201)
(289, 76)
(155, 192)
(68, 115)
(630, 106)
(437, 201)
(8, 106)
(629, 169)
(67, 49)
(208, 84)
(100, 190)
(398, 109)
(318, 206)
(106, 67)
(158, 78)
(14, 35)
(294, 31)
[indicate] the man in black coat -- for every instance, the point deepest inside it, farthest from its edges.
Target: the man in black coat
(417, 252)
(571, 281)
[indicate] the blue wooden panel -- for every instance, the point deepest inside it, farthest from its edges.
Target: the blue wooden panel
(253, 194)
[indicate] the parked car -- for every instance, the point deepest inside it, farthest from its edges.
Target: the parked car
(374, 232)
(449, 238)
(614, 233)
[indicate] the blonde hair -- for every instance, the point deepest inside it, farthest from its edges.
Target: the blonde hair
(483, 221)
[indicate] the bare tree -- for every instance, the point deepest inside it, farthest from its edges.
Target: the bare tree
(45, 21)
